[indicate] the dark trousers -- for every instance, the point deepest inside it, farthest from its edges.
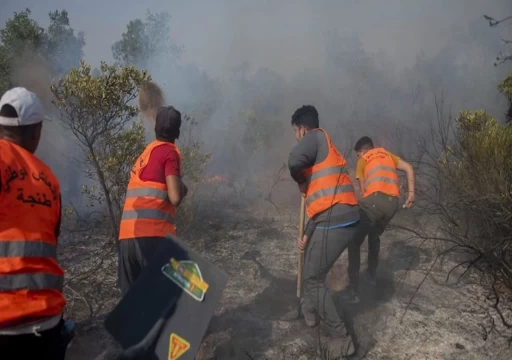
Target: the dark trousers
(377, 210)
(324, 248)
(134, 256)
(46, 345)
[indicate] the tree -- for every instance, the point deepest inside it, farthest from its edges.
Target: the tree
(25, 42)
(5, 70)
(98, 110)
(505, 87)
(146, 40)
(502, 57)
(477, 169)
(64, 48)
(465, 195)
(148, 44)
(21, 35)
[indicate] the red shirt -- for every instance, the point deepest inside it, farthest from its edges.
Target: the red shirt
(163, 161)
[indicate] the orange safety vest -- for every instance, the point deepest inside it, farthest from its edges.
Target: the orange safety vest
(147, 210)
(380, 173)
(328, 182)
(31, 280)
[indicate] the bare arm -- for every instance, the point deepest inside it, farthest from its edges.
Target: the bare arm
(409, 172)
(176, 190)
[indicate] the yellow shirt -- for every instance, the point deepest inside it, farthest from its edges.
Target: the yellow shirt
(361, 163)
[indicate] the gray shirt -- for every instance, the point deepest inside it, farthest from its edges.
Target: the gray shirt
(311, 150)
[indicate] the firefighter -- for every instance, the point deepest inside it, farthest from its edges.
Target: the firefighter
(31, 280)
(331, 206)
(154, 191)
(376, 172)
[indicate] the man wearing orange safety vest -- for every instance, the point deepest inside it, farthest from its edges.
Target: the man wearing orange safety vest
(331, 205)
(31, 280)
(378, 182)
(154, 191)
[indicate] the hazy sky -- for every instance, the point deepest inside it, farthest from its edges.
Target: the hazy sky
(284, 35)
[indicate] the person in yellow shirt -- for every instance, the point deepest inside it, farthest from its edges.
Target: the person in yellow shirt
(376, 172)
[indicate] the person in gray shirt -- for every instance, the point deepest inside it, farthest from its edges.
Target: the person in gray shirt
(320, 172)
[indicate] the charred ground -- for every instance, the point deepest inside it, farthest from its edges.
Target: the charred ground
(413, 314)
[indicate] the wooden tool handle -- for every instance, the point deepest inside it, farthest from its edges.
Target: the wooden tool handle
(300, 255)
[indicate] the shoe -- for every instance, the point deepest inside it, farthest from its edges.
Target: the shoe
(371, 278)
(310, 318)
(349, 296)
(347, 346)
(340, 347)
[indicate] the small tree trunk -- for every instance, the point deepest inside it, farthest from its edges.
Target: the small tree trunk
(103, 184)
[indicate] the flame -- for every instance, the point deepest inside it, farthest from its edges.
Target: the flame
(216, 179)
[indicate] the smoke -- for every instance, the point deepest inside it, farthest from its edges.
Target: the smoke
(367, 74)
(151, 98)
(31, 71)
(57, 147)
(370, 67)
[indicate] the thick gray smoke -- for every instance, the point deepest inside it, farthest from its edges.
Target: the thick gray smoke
(370, 67)
(58, 146)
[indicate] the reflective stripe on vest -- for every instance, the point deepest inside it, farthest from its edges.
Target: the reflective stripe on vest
(30, 281)
(329, 192)
(147, 211)
(381, 179)
(379, 168)
(20, 248)
(147, 191)
(328, 182)
(147, 214)
(380, 173)
(326, 172)
(34, 281)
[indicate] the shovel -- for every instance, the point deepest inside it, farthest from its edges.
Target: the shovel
(300, 257)
(296, 313)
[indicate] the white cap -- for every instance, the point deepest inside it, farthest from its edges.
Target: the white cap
(26, 104)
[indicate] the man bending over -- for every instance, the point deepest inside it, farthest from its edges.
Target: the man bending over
(378, 183)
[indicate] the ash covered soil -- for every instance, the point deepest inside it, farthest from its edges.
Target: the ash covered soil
(255, 246)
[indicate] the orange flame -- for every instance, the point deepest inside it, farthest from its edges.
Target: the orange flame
(216, 179)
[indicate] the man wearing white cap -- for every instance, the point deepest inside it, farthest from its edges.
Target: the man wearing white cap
(31, 280)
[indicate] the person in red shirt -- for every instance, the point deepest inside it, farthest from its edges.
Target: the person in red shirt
(163, 162)
(154, 191)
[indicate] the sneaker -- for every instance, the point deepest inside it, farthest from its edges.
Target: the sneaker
(349, 296)
(371, 278)
(340, 347)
